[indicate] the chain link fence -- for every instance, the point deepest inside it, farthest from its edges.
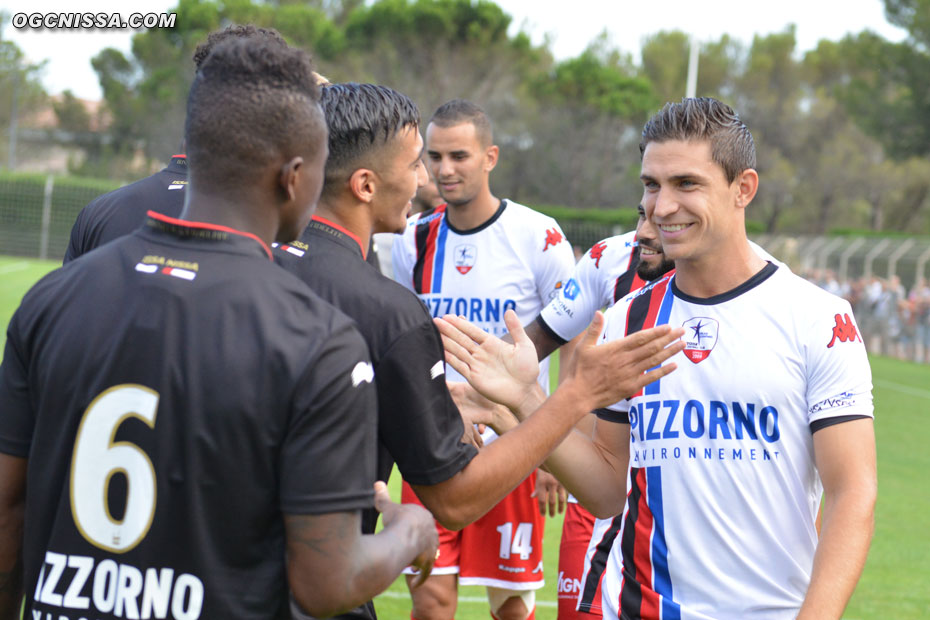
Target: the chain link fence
(37, 212)
(884, 278)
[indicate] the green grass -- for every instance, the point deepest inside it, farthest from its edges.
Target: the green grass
(896, 581)
(16, 276)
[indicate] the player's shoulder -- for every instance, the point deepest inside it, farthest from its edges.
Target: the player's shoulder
(377, 304)
(425, 218)
(527, 216)
(616, 251)
(805, 295)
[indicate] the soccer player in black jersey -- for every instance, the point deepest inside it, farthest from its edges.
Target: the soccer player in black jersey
(187, 430)
(372, 173)
(123, 210)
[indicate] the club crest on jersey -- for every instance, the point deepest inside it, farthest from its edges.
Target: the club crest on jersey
(464, 257)
(700, 338)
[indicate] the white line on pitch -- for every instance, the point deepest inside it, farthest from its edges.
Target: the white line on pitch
(465, 599)
(14, 267)
(904, 389)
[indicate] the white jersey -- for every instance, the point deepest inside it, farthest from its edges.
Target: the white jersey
(603, 276)
(722, 489)
(606, 273)
(518, 259)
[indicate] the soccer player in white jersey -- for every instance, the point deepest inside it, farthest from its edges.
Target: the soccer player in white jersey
(719, 468)
(608, 271)
(479, 256)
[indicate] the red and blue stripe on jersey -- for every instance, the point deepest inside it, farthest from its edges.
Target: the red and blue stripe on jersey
(431, 233)
(646, 588)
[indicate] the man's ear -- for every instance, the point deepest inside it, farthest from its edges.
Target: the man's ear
(363, 183)
(747, 184)
(490, 157)
(289, 179)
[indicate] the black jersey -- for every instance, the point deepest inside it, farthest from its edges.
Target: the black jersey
(175, 394)
(123, 210)
(419, 426)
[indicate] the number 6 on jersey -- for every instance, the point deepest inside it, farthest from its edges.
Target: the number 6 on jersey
(97, 458)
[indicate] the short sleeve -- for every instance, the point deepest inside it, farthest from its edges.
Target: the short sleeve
(17, 417)
(419, 423)
(839, 379)
(614, 328)
(403, 258)
(554, 264)
(328, 456)
(576, 301)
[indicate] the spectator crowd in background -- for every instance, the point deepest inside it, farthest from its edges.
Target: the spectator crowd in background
(893, 321)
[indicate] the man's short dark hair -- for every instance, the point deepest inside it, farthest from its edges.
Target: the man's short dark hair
(705, 119)
(362, 119)
(236, 31)
(460, 111)
(252, 102)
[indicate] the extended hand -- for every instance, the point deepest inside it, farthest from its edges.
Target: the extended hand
(617, 369)
(478, 410)
(419, 526)
(500, 371)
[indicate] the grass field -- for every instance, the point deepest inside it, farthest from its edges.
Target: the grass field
(896, 582)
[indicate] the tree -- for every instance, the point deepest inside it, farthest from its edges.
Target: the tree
(20, 89)
(665, 63)
(71, 113)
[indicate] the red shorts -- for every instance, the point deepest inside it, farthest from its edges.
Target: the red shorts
(576, 533)
(502, 549)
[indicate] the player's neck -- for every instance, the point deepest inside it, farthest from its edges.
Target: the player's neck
(474, 213)
(718, 271)
(239, 215)
(356, 218)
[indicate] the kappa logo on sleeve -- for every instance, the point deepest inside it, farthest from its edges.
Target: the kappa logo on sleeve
(362, 373)
(553, 238)
(844, 330)
(596, 252)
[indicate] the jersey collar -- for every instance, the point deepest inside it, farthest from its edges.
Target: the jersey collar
(760, 276)
(345, 231)
(178, 164)
(185, 228)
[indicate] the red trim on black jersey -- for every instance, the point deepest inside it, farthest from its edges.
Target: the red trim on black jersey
(345, 231)
(208, 226)
(181, 155)
(425, 237)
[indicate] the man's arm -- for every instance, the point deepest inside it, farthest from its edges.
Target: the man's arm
(12, 513)
(332, 567)
(603, 375)
(845, 457)
(543, 339)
